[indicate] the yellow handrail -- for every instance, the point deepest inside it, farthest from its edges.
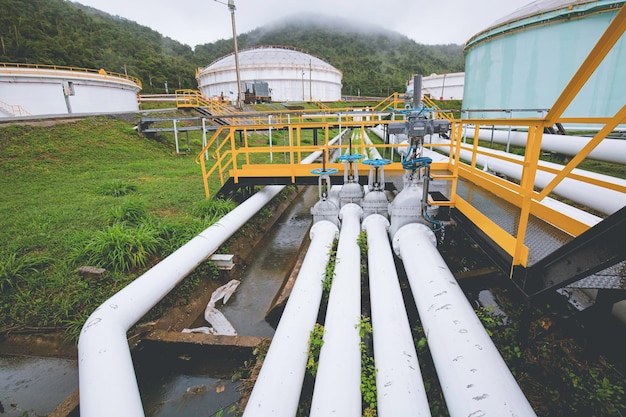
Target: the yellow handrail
(393, 101)
(438, 114)
(237, 160)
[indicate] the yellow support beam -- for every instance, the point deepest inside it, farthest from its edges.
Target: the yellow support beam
(619, 118)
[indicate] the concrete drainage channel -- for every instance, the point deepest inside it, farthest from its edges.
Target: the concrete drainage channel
(178, 372)
(189, 373)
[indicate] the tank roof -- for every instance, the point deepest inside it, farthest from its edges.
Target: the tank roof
(272, 54)
(541, 12)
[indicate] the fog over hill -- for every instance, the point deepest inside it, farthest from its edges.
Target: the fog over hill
(374, 60)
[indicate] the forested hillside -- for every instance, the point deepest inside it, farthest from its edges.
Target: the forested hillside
(374, 61)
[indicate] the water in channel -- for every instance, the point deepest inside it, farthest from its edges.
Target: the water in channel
(272, 261)
(34, 386)
(194, 383)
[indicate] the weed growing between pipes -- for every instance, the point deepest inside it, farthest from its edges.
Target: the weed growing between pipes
(316, 341)
(368, 367)
(436, 401)
(329, 274)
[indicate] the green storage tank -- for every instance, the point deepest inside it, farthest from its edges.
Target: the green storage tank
(525, 60)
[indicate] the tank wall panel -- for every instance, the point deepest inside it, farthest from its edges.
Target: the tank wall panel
(529, 69)
(45, 94)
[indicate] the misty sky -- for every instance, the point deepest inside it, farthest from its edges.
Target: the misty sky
(196, 22)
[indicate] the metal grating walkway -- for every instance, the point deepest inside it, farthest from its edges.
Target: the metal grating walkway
(541, 238)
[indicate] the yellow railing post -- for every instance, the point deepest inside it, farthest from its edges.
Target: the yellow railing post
(527, 188)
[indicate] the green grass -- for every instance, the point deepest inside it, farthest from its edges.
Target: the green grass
(88, 192)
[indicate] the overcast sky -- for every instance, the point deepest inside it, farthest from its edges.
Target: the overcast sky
(196, 22)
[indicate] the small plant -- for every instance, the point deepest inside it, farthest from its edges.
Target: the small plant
(14, 268)
(213, 210)
(368, 368)
(329, 274)
(316, 341)
(117, 188)
(121, 248)
(131, 212)
(362, 242)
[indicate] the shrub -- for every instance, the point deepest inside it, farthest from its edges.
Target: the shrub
(121, 247)
(129, 211)
(14, 268)
(213, 210)
(117, 188)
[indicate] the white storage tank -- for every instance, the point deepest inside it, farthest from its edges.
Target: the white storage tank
(291, 75)
(31, 90)
(441, 86)
(525, 60)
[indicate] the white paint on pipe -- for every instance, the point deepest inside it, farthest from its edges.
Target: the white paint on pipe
(609, 150)
(399, 381)
(337, 389)
(474, 378)
(107, 382)
(598, 198)
(277, 389)
(373, 152)
(314, 155)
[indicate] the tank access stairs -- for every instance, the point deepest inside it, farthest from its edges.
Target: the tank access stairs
(204, 112)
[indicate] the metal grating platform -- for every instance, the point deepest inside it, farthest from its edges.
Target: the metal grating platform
(541, 238)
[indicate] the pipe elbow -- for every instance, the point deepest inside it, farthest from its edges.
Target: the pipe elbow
(412, 231)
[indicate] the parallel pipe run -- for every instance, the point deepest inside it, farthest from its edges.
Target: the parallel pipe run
(474, 378)
(337, 384)
(399, 381)
(277, 388)
(609, 150)
(598, 198)
(107, 382)
(373, 152)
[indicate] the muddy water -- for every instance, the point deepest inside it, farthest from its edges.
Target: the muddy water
(272, 261)
(191, 382)
(34, 386)
(185, 381)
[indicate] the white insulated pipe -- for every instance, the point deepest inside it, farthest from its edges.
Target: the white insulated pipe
(609, 150)
(107, 381)
(474, 378)
(277, 389)
(337, 390)
(399, 382)
(374, 154)
(601, 199)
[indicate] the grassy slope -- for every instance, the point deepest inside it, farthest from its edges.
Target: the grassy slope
(51, 180)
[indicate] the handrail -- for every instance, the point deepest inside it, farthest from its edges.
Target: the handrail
(78, 72)
(438, 114)
(392, 101)
(239, 160)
